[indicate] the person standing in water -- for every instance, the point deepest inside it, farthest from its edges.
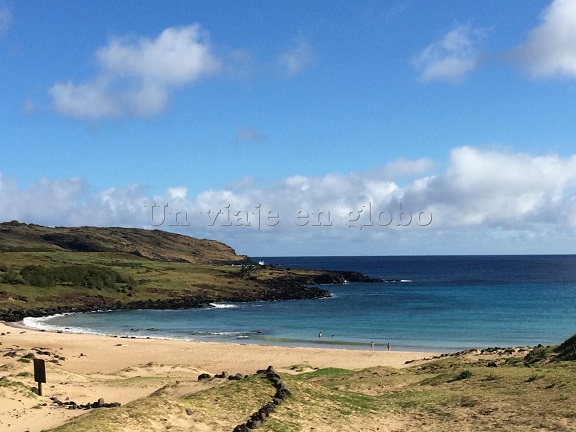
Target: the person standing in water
(372, 345)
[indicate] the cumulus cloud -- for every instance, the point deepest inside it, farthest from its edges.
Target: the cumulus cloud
(135, 77)
(550, 49)
(297, 58)
(484, 197)
(498, 189)
(45, 200)
(452, 57)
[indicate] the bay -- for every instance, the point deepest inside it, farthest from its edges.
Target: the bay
(443, 303)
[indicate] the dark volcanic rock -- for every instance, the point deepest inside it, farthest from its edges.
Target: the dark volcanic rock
(204, 376)
(353, 276)
(253, 424)
(237, 377)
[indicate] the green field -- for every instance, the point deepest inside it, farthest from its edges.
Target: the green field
(122, 280)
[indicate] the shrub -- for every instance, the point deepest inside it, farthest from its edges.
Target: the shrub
(465, 374)
(534, 377)
(37, 275)
(246, 270)
(12, 277)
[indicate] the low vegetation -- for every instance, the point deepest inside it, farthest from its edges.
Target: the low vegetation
(54, 270)
(104, 279)
(451, 393)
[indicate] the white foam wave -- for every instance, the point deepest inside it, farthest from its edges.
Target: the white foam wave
(40, 322)
(224, 305)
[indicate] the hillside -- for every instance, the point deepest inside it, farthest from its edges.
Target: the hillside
(45, 270)
(150, 244)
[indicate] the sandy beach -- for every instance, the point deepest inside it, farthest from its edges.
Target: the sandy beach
(86, 368)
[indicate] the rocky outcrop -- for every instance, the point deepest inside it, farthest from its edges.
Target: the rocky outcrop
(331, 277)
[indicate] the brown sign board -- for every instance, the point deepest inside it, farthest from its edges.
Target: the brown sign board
(39, 371)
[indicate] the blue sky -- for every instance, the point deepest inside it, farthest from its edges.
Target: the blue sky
(357, 111)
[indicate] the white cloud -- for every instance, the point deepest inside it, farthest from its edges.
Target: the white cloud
(176, 56)
(482, 202)
(550, 49)
(496, 189)
(45, 200)
(177, 192)
(451, 58)
(297, 58)
(135, 77)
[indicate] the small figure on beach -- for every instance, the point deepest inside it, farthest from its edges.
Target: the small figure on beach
(388, 346)
(320, 334)
(372, 345)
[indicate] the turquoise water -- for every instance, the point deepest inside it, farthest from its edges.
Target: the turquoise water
(442, 303)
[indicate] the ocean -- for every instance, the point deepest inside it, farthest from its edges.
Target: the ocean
(442, 303)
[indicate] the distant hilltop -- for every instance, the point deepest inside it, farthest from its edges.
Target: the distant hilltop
(151, 244)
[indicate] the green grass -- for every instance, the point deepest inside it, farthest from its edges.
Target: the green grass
(465, 374)
(155, 280)
(428, 397)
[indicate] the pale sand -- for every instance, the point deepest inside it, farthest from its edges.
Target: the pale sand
(92, 364)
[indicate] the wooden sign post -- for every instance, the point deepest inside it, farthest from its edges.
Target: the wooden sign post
(39, 374)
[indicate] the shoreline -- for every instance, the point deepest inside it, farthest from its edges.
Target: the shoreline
(327, 344)
(324, 343)
(287, 342)
(214, 353)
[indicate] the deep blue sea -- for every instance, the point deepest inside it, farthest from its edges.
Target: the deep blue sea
(444, 303)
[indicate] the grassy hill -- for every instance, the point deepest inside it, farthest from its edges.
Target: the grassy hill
(54, 270)
(151, 244)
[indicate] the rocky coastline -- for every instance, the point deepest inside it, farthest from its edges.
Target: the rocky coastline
(119, 252)
(293, 287)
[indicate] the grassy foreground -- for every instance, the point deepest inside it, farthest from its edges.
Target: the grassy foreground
(470, 392)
